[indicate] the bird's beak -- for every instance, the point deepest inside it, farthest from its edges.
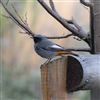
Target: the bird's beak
(32, 37)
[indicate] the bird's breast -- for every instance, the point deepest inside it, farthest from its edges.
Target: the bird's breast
(44, 53)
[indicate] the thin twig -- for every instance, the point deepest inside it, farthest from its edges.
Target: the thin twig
(24, 22)
(7, 2)
(26, 19)
(76, 38)
(8, 17)
(52, 5)
(60, 37)
(78, 49)
(80, 29)
(90, 5)
(18, 14)
(17, 21)
(76, 25)
(23, 32)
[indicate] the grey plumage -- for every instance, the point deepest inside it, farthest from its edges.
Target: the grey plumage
(46, 48)
(42, 47)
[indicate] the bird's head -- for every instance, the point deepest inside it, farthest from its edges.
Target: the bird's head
(38, 38)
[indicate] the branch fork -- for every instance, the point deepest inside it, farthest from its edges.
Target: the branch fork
(71, 25)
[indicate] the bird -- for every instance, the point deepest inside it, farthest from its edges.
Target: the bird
(43, 46)
(48, 49)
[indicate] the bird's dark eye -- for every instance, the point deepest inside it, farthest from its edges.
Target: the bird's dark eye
(37, 39)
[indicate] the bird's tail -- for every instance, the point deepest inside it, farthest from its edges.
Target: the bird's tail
(60, 53)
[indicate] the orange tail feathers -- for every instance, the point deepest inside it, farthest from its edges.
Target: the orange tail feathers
(61, 53)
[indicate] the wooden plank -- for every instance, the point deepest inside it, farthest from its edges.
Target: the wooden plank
(95, 92)
(53, 80)
(96, 11)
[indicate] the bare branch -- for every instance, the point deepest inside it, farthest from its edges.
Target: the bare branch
(26, 19)
(76, 25)
(8, 17)
(52, 5)
(21, 23)
(91, 6)
(23, 32)
(73, 22)
(79, 28)
(17, 21)
(64, 22)
(7, 2)
(28, 31)
(88, 4)
(24, 22)
(60, 37)
(18, 14)
(69, 21)
(78, 49)
(76, 38)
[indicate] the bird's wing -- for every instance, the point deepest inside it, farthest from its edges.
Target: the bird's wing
(54, 47)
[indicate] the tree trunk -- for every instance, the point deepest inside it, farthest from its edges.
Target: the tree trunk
(96, 22)
(95, 92)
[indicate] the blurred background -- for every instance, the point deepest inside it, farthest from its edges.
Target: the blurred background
(20, 77)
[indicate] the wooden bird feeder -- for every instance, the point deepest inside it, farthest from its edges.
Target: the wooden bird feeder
(69, 74)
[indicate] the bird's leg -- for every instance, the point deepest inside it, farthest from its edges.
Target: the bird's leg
(62, 55)
(48, 60)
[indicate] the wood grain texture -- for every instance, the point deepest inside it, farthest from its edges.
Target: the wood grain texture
(53, 80)
(96, 11)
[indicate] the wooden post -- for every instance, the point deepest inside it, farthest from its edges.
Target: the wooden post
(96, 23)
(95, 92)
(53, 78)
(69, 74)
